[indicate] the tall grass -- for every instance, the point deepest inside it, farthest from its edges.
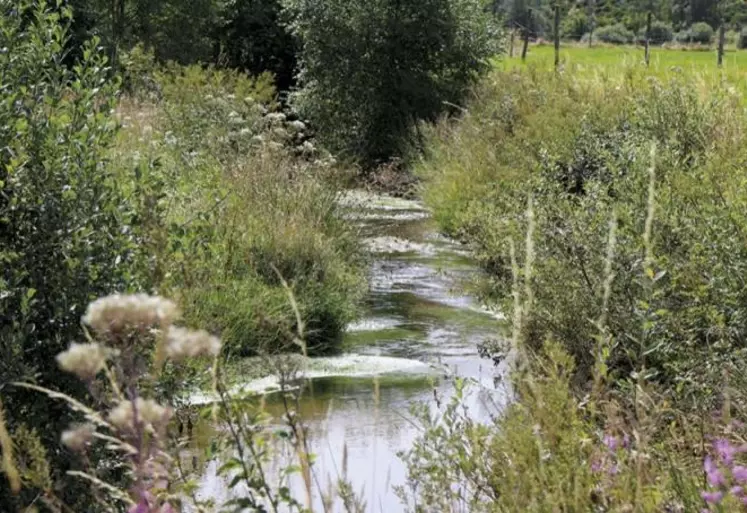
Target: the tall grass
(634, 337)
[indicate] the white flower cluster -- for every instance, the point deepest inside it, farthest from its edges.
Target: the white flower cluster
(151, 415)
(182, 343)
(113, 314)
(78, 437)
(83, 360)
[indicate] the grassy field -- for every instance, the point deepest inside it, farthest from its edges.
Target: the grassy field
(700, 66)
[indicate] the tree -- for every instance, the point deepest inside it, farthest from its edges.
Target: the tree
(254, 38)
(370, 70)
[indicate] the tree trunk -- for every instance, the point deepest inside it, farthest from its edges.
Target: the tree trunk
(592, 20)
(648, 38)
(556, 34)
(526, 37)
(721, 40)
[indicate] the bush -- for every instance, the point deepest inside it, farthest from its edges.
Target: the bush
(588, 161)
(742, 39)
(234, 209)
(614, 34)
(702, 33)
(660, 33)
(575, 24)
(371, 69)
(67, 230)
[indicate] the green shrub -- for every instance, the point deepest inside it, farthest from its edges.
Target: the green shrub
(371, 69)
(67, 230)
(702, 33)
(660, 33)
(614, 34)
(581, 161)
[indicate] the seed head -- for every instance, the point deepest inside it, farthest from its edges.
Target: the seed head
(182, 343)
(83, 360)
(78, 437)
(118, 313)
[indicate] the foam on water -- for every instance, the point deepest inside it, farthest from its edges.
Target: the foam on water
(349, 365)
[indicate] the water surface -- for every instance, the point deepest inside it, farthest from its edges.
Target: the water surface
(420, 331)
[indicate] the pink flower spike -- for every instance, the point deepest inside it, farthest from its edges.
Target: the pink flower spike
(725, 450)
(715, 476)
(739, 473)
(140, 507)
(712, 497)
(611, 442)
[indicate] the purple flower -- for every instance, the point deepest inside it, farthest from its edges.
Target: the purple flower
(596, 466)
(626, 441)
(714, 474)
(725, 450)
(140, 507)
(612, 442)
(739, 472)
(712, 497)
(736, 491)
(612, 470)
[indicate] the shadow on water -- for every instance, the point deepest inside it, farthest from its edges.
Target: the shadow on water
(416, 312)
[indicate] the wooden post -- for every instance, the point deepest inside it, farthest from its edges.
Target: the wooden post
(648, 38)
(556, 34)
(526, 37)
(591, 16)
(721, 41)
(511, 44)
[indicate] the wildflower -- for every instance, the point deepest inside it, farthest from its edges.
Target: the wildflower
(612, 442)
(150, 414)
(626, 441)
(713, 473)
(739, 472)
(182, 343)
(83, 360)
(736, 491)
(712, 497)
(596, 466)
(725, 450)
(113, 314)
(78, 438)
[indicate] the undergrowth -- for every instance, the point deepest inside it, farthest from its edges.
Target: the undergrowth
(626, 297)
(235, 206)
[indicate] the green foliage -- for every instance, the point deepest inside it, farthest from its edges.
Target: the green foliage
(544, 452)
(255, 38)
(701, 32)
(660, 33)
(371, 69)
(582, 161)
(66, 230)
(232, 210)
(614, 34)
(575, 24)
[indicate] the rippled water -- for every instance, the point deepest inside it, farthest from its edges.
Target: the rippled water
(419, 332)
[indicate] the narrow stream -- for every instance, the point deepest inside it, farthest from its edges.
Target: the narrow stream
(419, 332)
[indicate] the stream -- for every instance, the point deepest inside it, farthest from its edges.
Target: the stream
(420, 331)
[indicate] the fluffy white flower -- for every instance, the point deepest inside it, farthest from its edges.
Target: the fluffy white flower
(182, 343)
(83, 360)
(150, 414)
(112, 314)
(78, 437)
